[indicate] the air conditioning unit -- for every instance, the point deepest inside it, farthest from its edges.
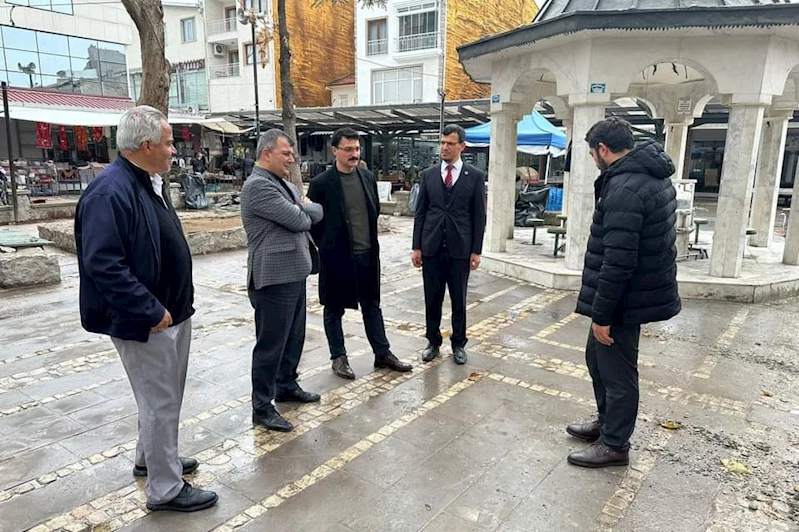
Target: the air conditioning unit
(218, 50)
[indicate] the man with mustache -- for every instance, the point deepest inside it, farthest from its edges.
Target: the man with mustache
(349, 252)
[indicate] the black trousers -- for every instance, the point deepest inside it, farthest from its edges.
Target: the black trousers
(614, 372)
(439, 272)
(368, 277)
(280, 337)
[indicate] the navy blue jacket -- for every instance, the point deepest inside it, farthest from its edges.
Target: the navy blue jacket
(118, 244)
(630, 274)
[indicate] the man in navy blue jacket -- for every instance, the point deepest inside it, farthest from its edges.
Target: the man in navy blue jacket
(136, 286)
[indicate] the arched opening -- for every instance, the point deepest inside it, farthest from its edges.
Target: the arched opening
(789, 173)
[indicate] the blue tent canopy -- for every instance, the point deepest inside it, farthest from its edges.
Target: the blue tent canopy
(532, 131)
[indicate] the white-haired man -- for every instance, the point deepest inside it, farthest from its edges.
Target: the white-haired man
(136, 286)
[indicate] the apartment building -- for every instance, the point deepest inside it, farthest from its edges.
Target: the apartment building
(212, 53)
(406, 50)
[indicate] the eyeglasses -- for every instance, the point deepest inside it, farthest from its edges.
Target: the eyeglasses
(448, 143)
(349, 149)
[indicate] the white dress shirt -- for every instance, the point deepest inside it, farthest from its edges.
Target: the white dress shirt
(158, 183)
(457, 166)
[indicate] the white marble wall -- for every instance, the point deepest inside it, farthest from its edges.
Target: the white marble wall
(769, 168)
(501, 175)
(735, 194)
(584, 172)
(791, 253)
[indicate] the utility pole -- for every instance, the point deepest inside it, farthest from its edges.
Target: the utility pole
(11, 176)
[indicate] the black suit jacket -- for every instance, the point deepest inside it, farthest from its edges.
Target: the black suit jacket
(462, 218)
(338, 284)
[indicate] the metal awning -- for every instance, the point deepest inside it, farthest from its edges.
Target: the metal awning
(377, 119)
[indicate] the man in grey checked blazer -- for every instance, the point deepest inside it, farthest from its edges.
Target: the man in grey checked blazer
(277, 219)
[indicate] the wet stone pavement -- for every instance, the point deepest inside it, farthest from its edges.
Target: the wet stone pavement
(444, 448)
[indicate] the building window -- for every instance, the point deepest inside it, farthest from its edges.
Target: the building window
(248, 50)
(230, 19)
(56, 6)
(187, 30)
(401, 85)
(343, 100)
(188, 88)
(418, 30)
(377, 37)
(58, 62)
(259, 6)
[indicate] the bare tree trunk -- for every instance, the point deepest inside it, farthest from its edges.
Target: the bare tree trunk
(287, 91)
(148, 15)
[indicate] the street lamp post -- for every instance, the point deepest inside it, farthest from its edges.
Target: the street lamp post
(249, 17)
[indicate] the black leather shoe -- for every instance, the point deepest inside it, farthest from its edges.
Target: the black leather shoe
(393, 363)
(272, 420)
(430, 352)
(587, 431)
(599, 455)
(459, 355)
(297, 396)
(341, 367)
(190, 465)
(190, 499)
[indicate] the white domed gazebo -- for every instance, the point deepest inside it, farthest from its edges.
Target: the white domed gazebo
(672, 55)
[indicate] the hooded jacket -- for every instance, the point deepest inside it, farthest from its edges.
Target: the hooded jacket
(630, 273)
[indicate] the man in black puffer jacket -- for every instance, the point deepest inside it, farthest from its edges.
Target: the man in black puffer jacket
(630, 278)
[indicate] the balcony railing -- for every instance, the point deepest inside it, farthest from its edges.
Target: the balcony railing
(377, 47)
(222, 26)
(422, 41)
(225, 71)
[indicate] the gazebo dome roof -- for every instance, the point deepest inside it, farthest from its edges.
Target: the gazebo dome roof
(557, 8)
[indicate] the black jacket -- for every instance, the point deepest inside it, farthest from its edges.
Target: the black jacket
(118, 240)
(338, 285)
(463, 217)
(630, 274)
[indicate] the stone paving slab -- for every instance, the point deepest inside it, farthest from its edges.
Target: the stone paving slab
(446, 447)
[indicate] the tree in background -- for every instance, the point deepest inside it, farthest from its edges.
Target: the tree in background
(148, 15)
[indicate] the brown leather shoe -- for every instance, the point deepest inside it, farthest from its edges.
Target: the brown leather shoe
(599, 455)
(393, 363)
(587, 431)
(341, 367)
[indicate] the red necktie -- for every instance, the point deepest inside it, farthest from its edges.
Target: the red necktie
(448, 178)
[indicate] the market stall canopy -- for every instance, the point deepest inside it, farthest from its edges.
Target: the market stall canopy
(223, 126)
(71, 109)
(534, 135)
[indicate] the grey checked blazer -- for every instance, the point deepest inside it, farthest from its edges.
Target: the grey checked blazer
(277, 226)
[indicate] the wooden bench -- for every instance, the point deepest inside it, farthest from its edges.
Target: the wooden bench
(535, 223)
(558, 232)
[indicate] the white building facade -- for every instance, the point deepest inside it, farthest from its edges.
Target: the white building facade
(65, 46)
(211, 56)
(399, 55)
(229, 55)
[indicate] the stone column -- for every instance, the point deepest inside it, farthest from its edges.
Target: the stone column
(501, 175)
(677, 144)
(735, 193)
(791, 253)
(588, 110)
(767, 177)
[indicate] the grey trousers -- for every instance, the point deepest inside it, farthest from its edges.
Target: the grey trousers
(157, 373)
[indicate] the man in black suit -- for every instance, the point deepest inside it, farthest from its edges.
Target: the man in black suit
(349, 252)
(448, 238)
